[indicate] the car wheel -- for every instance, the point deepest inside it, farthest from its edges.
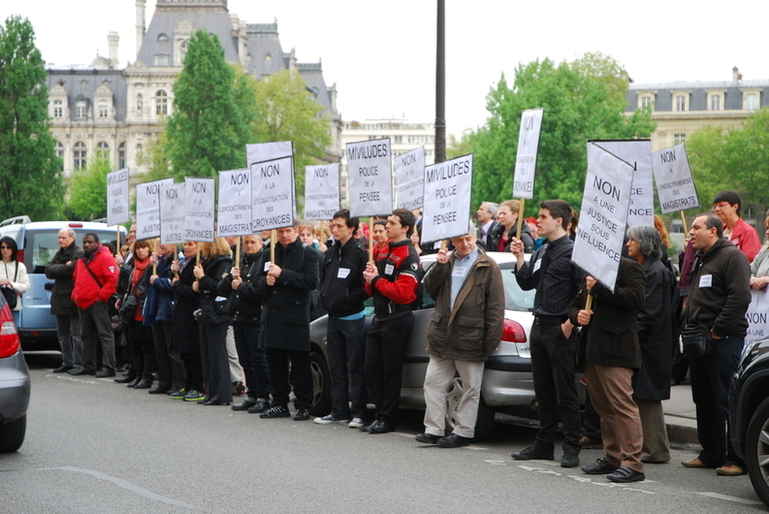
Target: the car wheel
(757, 451)
(12, 435)
(321, 385)
(485, 421)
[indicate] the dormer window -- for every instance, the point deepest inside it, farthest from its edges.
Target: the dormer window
(162, 38)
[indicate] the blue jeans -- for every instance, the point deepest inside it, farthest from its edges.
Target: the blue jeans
(252, 359)
(710, 390)
(346, 354)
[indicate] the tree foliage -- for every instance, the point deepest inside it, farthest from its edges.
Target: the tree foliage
(87, 198)
(30, 177)
(288, 111)
(207, 132)
(583, 99)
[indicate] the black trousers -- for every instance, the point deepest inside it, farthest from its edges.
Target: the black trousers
(282, 375)
(385, 345)
(215, 362)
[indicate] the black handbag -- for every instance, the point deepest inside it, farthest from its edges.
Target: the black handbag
(696, 339)
(128, 308)
(11, 298)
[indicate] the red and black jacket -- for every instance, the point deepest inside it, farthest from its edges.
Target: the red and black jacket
(395, 289)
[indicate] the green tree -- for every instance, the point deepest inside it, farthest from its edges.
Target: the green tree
(583, 99)
(288, 111)
(207, 132)
(30, 177)
(87, 198)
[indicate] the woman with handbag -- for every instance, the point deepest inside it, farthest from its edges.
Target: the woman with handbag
(140, 342)
(214, 320)
(13, 274)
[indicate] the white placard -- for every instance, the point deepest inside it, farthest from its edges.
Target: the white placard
(117, 197)
(321, 192)
(448, 188)
(526, 157)
(758, 326)
(410, 179)
(172, 208)
(369, 170)
(234, 203)
(261, 152)
(199, 196)
(601, 229)
(675, 185)
(272, 192)
(637, 152)
(148, 208)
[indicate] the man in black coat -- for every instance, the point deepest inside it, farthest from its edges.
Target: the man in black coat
(287, 285)
(61, 268)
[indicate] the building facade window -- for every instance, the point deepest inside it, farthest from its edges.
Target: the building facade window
(161, 102)
(80, 155)
(81, 109)
(162, 38)
(751, 101)
(121, 155)
(58, 109)
(161, 59)
(680, 103)
(679, 139)
(715, 100)
(102, 150)
(646, 101)
(103, 109)
(60, 154)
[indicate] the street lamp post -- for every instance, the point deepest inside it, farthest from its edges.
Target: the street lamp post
(440, 85)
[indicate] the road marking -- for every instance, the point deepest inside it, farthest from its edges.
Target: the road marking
(730, 498)
(496, 462)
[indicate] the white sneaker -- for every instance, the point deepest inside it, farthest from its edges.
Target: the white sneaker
(356, 423)
(330, 419)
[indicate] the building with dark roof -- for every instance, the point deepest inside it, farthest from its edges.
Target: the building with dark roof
(119, 112)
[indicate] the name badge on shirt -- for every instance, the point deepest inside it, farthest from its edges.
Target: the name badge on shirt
(267, 265)
(343, 272)
(537, 265)
(459, 272)
(706, 280)
(389, 269)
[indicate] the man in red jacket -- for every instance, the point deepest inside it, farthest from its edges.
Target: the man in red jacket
(95, 282)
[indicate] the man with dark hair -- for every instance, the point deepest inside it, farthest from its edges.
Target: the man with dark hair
(719, 298)
(342, 296)
(393, 283)
(95, 282)
(60, 269)
(727, 206)
(553, 340)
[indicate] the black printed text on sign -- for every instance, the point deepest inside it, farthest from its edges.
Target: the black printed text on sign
(448, 187)
(199, 209)
(369, 169)
(234, 203)
(272, 194)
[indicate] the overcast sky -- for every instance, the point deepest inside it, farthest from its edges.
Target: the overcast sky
(381, 55)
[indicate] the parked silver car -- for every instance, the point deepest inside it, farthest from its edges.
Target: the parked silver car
(14, 384)
(507, 381)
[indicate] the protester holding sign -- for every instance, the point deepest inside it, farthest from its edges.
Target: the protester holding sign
(759, 268)
(727, 206)
(507, 217)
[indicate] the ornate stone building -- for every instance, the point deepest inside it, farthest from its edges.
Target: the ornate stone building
(100, 108)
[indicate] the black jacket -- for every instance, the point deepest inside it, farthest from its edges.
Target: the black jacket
(245, 303)
(496, 235)
(342, 292)
(186, 336)
(57, 269)
(214, 306)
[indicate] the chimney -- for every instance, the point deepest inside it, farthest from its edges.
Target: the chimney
(140, 6)
(736, 76)
(113, 39)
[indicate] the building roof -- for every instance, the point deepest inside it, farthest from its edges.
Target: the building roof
(718, 84)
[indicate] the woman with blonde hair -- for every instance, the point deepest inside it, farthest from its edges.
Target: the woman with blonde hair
(507, 216)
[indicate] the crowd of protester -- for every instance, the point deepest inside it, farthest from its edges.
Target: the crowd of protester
(195, 324)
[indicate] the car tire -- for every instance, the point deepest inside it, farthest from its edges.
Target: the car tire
(12, 435)
(757, 451)
(321, 385)
(485, 421)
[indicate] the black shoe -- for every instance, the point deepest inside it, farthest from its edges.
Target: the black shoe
(173, 391)
(105, 373)
(134, 382)
(302, 415)
(238, 388)
(246, 405)
(367, 428)
(601, 467)
(453, 441)
(533, 453)
(81, 371)
(62, 369)
(427, 438)
(214, 402)
(144, 383)
(276, 411)
(159, 390)
(125, 380)
(570, 460)
(260, 406)
(382, 427)
(624, 474)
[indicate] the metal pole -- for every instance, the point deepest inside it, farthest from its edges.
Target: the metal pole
(440, 85)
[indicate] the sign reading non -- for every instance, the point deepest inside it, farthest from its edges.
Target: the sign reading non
(148, 208)
(172, 208)
(410, 179)
(637, 152)
(199, 209)
(526, 157)
(272, 192)
(369, 169)
(448, 188)
(117, 197)
(675, 185)
(758, 312)
(321, 191)
(234, 203)
(601, 229)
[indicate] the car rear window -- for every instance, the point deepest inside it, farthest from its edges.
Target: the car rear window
(516, 299)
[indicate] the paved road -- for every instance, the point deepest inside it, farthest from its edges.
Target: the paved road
(96, 446)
